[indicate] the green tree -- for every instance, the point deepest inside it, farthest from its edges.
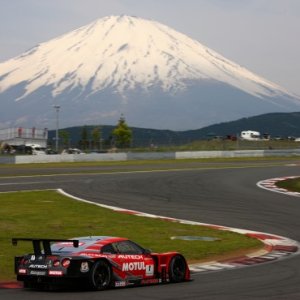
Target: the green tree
(84, 141)
(64, 135)
(122, 134)
(96, 136)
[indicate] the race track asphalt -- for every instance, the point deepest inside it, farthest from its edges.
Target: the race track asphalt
(223, 194)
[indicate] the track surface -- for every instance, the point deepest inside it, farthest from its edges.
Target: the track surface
(224, 194)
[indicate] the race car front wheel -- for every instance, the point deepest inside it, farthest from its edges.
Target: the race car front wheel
(100, 276)
(177, 269)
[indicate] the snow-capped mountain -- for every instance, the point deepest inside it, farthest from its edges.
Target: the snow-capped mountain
(154, 75)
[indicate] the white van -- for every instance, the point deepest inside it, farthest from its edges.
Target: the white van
(36, 149)
(250, 135)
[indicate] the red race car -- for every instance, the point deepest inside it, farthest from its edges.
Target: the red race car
(100, 262)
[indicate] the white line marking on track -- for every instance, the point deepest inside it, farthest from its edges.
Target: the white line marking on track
(24, 183)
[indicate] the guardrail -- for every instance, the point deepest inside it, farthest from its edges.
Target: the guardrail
(26, 159)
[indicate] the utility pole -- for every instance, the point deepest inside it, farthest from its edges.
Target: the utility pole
(56, 107)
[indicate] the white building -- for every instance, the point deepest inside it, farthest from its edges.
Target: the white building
(24, 136)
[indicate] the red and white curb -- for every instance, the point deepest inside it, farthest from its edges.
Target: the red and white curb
(11, 285)
(276, 247)
(270, 185)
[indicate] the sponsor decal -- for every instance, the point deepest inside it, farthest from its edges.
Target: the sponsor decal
(69, 244)
(127, 256)
(133, 266)
(150, 281)
(38, 273)
(22, 271)
(91, 254)
(84, 268)
(149, 270)
(120, 283)
(138, 266)
(55, 273)
(35, 266)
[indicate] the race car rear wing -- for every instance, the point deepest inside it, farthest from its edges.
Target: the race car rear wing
(37, 248)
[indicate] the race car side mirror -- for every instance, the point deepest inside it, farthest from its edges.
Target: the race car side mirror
(147, 251)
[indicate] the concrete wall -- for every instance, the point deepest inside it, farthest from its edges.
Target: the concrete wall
(238, 153)
(25, 159)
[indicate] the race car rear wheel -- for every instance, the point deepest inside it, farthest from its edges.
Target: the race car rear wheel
(177, 269)
(100, 276)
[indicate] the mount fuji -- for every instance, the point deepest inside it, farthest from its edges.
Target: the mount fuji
(154, 75)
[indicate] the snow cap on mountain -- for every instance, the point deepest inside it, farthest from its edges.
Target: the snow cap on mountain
(156, 76)
(123, 52)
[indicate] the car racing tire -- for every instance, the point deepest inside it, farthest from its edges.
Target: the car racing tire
(177, 269)
(100, 276)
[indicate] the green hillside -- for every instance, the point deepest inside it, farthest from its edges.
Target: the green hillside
(275, 124)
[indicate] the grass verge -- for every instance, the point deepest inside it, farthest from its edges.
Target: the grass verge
(49, 214)
(292, 184)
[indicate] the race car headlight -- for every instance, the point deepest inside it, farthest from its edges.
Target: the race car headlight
(56, 263)
(24, 261)
(66, 262)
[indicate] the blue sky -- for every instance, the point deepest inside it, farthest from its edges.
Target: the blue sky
(261, 35)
